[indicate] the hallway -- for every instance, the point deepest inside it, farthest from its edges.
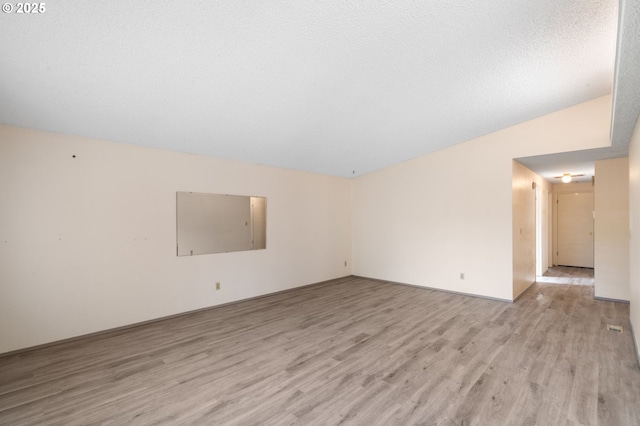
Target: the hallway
(567, 275)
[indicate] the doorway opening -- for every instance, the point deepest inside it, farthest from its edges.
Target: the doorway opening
(540, 268)
(573, 251)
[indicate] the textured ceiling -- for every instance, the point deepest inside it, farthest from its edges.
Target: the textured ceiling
(626, 94)
(577, 163)
(335, 87)
(625, 108)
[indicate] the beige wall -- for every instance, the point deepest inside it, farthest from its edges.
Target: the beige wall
(573, 187)
(427, 220)
(524, 225)
(89, 243)
(611, 229)
(634, 221)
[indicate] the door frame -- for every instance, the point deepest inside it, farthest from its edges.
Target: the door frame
(554, 250)
(540, 268)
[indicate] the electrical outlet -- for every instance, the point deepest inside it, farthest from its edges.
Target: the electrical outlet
(217, 286)
(345, 263)
(462, 275)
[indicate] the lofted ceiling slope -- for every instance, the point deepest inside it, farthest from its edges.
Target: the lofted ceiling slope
(625, 108)
(335, 87)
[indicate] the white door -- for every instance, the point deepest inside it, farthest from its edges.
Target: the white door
(575, 229)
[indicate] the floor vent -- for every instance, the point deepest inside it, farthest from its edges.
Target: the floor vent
(616, 328)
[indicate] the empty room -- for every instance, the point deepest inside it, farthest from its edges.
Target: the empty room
(320, 213)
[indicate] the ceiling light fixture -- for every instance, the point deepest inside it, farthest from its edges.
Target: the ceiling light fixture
(568, 177)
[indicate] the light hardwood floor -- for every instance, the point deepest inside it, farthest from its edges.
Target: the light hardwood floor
(351, 351)
(568, 275)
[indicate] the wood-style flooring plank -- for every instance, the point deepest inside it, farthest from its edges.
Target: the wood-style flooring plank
(351, 351)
